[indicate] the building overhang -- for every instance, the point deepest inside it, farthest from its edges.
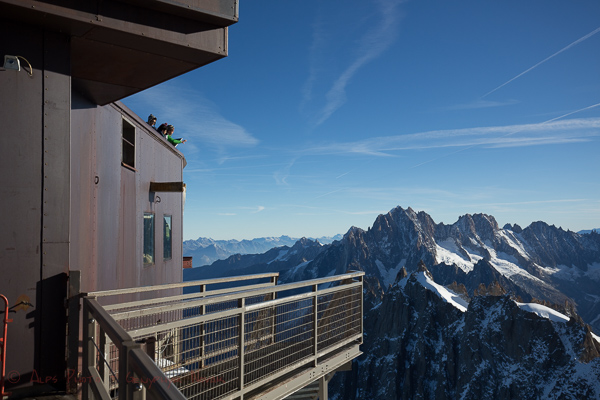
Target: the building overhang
(119, 48)
(167, 187)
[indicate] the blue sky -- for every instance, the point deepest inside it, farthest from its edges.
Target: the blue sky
(326, 114)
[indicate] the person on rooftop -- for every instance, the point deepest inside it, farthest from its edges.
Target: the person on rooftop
(152, 121)
(162, 129)
(174, 142)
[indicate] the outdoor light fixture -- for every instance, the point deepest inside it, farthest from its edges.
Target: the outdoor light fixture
(12, 62)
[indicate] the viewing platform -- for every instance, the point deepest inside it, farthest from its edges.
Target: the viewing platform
(232, 338)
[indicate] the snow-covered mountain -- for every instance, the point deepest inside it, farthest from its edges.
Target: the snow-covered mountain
(540, 261)
(205, 251)
(462, 311)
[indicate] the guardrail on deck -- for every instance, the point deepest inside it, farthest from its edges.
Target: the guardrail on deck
(220, 344)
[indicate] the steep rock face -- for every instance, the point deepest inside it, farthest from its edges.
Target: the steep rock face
(419, 346)
(553, 246)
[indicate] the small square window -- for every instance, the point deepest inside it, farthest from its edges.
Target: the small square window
(167, 238)
(148, 238)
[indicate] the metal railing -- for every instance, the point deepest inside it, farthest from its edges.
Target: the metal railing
(224, 343)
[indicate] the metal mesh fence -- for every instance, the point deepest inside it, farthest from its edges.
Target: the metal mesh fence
(339, 317)
(277, 337)
(215, 347)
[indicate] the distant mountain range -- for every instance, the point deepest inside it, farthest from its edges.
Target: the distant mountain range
(205, 251)
(597, 230)
(462, 311)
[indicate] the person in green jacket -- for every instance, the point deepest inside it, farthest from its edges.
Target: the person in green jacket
(174, 142)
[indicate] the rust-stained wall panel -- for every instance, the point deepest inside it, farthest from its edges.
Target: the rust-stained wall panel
(21, 160)
(111, 207)
(83, 178)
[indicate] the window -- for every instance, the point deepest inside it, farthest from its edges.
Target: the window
(148, 238)
(167, 238)
(128, 144)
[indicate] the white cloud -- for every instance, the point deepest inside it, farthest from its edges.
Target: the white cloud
(555, 132)
(374, 42)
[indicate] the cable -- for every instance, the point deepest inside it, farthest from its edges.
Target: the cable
(30, 72)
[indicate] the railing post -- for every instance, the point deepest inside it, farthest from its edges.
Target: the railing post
(89, 349)
(360, 278)
(129, 385)
(274, 280)
(73, 331)
(242, 305)
(104, 369)
(323, 388)
(315, 289)
(202, 330)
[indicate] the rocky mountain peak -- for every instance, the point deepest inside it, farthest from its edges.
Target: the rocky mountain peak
(401, 275)
(481, 226)
(421, 267)
(304, 243)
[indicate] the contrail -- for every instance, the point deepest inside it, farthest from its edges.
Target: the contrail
(546, 59)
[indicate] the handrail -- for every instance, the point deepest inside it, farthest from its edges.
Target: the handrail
(116, 333)
(114, 292)
(181, 297)
(236, 295)
(159, 386)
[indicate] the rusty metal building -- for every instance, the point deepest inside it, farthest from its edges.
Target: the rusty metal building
(86, 184)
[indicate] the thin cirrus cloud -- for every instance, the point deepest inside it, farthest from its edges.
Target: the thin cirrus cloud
(481, 104)
(194, 117)
(370, 46)
(555, 132)
(253, 210)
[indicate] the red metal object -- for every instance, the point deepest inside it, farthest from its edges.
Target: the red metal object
(3, 343)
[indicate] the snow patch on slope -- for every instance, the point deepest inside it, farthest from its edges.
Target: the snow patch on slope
(447, 253)
(571, 273)
(297, 267)
(389, 276)
(282, 253)
(543, 311)
(445, 294)
(513, 242)
(507, 265)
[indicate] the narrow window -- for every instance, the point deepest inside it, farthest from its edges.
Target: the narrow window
(128, 144)
(148, 238)
(167, 239)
